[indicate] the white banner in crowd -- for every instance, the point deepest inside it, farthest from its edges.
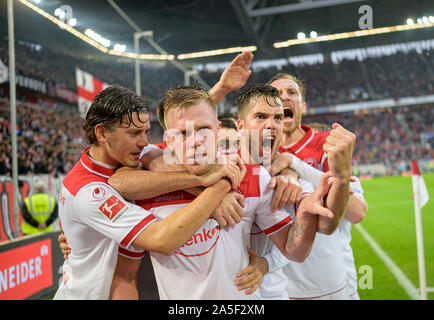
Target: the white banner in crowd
(87, 88)
(4, 72)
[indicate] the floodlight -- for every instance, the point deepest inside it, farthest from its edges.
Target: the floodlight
(301, 36)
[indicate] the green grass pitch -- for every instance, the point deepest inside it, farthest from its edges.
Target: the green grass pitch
(390, 221)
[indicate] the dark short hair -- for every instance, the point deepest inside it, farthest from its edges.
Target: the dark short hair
(182, 97)
(299, 82)
(110, 106)
(228, 124)
(255, 91)
(228, 120)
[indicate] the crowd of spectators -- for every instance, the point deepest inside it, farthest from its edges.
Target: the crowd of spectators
(390, 76)
(48, 141)
(395, 76)
(44, 65)
(391, 136)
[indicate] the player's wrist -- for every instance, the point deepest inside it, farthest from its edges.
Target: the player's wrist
(262, 264)
(221, 88)
(343, 178)
(223, 185)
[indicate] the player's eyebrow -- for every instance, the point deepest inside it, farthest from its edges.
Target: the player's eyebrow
(262, 114)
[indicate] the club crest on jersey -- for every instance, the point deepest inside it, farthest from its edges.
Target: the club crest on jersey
(98, 193)
(312, 162)
(202, 242)
(113, 208)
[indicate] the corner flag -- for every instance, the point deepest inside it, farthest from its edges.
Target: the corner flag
(419, 188)
(420, 197)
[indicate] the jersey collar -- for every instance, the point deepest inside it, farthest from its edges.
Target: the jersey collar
(299, 145)
(96, 167)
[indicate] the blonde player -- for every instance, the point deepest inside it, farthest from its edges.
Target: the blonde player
(96, 219)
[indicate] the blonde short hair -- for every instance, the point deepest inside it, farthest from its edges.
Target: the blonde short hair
(182, 97)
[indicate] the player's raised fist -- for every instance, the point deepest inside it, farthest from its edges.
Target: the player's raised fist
(339, 147)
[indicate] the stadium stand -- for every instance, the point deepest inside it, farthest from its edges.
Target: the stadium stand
(50, 139)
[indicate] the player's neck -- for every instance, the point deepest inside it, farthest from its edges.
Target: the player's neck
(98, 154)
(292, 138)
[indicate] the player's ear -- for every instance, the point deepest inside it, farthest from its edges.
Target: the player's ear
(240, 124)
(219, 125)
(304, 107)
(100, 133)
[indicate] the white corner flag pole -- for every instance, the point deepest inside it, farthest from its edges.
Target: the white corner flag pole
(420, 196)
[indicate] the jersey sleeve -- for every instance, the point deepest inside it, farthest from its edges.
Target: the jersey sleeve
(356, 186)
(131, 252)
(103, 209)
(306, 171)
(307, 187)
(275, 259)
(268, 221)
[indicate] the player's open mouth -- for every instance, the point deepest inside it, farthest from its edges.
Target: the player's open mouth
(288, 113)
(268, 144)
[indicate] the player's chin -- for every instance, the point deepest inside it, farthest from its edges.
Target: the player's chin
(132, 160)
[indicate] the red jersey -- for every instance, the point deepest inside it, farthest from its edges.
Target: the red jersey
(310, 149)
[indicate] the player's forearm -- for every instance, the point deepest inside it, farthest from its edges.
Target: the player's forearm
(337, 202)
(124, 284)
(172, 232)
(301, 236)
(144, 184)
(218, 93)
(356, 210)
(124, 290)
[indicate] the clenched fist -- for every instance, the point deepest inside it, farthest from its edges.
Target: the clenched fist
(339, 147)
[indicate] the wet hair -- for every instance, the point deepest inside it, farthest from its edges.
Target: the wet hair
(244, 99)
(111, 105)
(299, 82)
(228, 124)
(228, 121)
(182, 97)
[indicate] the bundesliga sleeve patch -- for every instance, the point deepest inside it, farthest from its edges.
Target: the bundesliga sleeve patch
(113, 208)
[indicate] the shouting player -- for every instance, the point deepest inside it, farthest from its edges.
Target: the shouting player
(323, 274)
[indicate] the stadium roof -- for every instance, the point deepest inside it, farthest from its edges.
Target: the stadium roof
(185, 26)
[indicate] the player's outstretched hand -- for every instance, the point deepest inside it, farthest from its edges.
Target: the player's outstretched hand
(236, 74)
(230, 210)
(251, 277)
(314, 203)
(64, 247)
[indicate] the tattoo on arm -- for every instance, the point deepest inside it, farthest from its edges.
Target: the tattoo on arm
(293, 233)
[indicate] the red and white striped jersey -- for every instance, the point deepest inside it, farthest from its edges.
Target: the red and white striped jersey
(310, 149)
(205, 267)
(95, 220)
